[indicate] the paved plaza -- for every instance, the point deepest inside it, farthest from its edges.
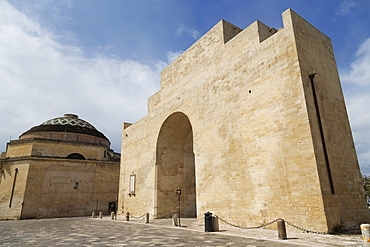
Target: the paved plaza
(87, 231)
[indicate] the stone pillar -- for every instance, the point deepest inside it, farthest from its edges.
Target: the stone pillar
(281, 229)
(174, 220)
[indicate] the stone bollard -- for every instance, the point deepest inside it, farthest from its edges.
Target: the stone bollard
(147, 218)
(281, 229)
(100, 215)
(112, 215)
(127, 216)
(174, 220)
(215, 224)
(93, 214)
(365, 230)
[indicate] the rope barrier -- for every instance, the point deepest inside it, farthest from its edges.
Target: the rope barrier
(289, 223)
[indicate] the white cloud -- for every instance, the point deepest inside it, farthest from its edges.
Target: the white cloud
(359, 72)
(346, 6)
(55, 10)
(172, 56)
(41, 78)
(356, 80)
(183, 29)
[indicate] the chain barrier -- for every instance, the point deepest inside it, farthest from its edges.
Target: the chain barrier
(352, 228)
(305, 230)
(137, 217)
(289, 223)
(249, 228)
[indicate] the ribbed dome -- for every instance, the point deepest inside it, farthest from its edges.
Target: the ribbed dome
(68, 123)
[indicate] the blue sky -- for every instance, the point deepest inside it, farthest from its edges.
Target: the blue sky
(101, 59)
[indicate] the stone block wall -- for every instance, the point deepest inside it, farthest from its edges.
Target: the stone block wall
(47, 188)
(255, 134)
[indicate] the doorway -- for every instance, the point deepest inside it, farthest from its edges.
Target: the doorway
(175, 168)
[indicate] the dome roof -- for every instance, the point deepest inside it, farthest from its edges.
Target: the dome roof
(69, 119)
(68, 123)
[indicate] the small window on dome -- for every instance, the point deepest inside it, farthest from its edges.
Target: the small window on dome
(76, 156)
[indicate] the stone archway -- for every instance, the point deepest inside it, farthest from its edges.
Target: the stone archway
(175, 168)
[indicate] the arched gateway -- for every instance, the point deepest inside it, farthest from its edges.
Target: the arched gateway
(175, 168)
(258, 114)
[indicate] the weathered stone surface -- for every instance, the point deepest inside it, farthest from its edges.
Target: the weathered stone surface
(58, 173)
(235, 125)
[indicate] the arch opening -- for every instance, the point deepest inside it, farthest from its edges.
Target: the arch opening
(175, 168)
(76, 156)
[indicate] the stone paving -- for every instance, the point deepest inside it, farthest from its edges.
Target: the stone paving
(87, 231)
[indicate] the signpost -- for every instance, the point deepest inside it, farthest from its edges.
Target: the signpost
(178, 193)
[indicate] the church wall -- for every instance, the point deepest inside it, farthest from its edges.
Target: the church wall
(67, 136)
(52, 190)
(46, 188)
(63, 150)
(18, 150)
(48, 148)
(11, 200)
(254, 148)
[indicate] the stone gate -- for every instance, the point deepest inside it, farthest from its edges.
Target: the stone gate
(251, 125)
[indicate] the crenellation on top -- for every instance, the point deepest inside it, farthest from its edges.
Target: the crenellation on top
(229, 31)
(210, 43)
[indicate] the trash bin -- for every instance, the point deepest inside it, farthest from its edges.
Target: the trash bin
(208, 222)
(365, 230)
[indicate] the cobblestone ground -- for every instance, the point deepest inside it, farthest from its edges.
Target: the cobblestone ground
(84, 231)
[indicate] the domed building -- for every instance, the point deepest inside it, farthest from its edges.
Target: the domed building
(62, 167)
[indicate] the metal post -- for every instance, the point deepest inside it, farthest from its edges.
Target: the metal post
(281, 229)
(96, 209)
(116, 207)
(179, 210)
(147, 218)
(178, 193)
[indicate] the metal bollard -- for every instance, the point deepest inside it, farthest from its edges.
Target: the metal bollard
(208, 222)
(281, 229)
(127, 216)
(365, 230)
(147, 218)
(174, 220)
(112, 215)
(100, 215)
(93, 214)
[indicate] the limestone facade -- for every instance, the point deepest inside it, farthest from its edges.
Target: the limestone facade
(63, 168)
(251, 125)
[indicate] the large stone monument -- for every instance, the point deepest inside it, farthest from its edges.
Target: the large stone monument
(250, 125)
